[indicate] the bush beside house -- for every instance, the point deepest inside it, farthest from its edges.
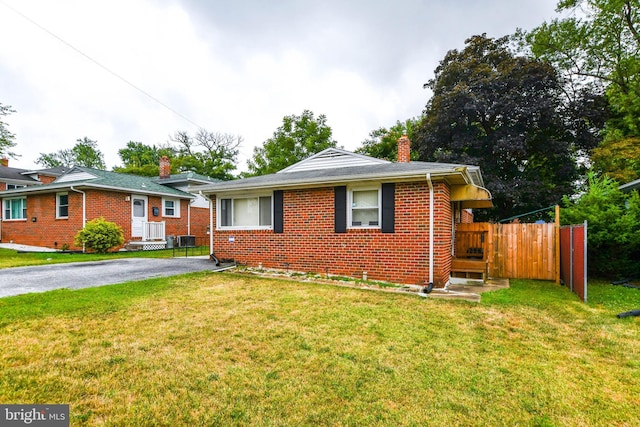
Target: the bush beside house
(100, 236)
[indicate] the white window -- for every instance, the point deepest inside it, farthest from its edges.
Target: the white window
(245, 212)
(62, 205)
(14, 186)
(364, 207)
(171, 207)
(15, 208)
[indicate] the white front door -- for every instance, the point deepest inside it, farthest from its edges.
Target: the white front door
(139, 215)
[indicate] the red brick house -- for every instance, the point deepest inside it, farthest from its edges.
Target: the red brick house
(347, 214)
(148, 209)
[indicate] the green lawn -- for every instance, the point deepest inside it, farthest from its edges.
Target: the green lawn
(12, 258)
(230, 349)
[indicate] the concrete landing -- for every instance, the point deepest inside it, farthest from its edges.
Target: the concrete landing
(467, 289)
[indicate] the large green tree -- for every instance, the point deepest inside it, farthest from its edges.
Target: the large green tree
(6, 137)
(506, 114)
(207, 153)
(618, 159)
(598, 42)
(144, 160)
(382, 143)
(298, 137)
(85, 153)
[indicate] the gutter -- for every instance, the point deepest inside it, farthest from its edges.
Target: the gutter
(84, 210)
(429, 287)
(211, 253)
(238, 185)
(189, 216)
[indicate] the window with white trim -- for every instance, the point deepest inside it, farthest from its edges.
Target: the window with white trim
(364, 207)
(171, 208)
(245, 212)
(15, 208)
(62, 205)
(14, 186)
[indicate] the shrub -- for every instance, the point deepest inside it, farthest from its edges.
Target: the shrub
(100, 235)
(613, 227)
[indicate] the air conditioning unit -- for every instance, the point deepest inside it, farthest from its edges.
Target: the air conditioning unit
(186, 241)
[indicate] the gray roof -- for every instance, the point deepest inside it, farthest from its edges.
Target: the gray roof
(629, 186)
(453, 173)
(16, 175)
(189, 178)
(82, 177)
(57, 171)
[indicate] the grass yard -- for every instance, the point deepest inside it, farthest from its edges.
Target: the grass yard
(12, 258)
(229, 349)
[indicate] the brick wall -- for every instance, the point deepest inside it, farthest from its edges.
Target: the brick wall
(310, 244)
(46, 231)
(200, 225)
(466, 216)
(46, 179)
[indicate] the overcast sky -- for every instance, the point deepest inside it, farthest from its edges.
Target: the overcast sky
(139, 70)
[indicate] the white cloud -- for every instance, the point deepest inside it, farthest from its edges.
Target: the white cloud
(235, 67)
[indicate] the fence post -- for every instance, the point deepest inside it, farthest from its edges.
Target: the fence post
(571, 258)
(557, 236)
(585, 261)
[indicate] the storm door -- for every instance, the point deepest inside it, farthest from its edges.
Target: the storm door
(139, 215)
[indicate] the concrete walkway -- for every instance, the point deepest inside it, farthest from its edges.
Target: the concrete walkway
(25, 248)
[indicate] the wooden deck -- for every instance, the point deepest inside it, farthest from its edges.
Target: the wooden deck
(469, 268)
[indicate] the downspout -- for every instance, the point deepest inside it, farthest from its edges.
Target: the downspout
(212, 255)
(84, 210)
(427, 289)
(189, 217)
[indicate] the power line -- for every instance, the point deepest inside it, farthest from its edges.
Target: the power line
(113, 73)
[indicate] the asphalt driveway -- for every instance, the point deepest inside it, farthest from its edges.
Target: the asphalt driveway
(76, 275)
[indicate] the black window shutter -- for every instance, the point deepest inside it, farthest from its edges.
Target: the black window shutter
(388, 207)
(278, 211)
(340, 206)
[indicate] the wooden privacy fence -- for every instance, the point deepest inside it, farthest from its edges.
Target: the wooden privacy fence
(519, 251)
(524, 251)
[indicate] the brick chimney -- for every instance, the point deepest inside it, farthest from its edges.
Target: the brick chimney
(4, 162)
(404, 149)
(165, 167)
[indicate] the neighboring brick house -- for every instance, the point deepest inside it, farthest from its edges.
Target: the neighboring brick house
(11, 178)
(347, 214)
(147, 209)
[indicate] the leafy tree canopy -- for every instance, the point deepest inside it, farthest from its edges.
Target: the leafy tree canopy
(298, 138)
(207, 153)
(6, 137)
(144, 160)
(383, 143)
(618, 159)
(598, 42)
(504, 113)
(84, 153)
